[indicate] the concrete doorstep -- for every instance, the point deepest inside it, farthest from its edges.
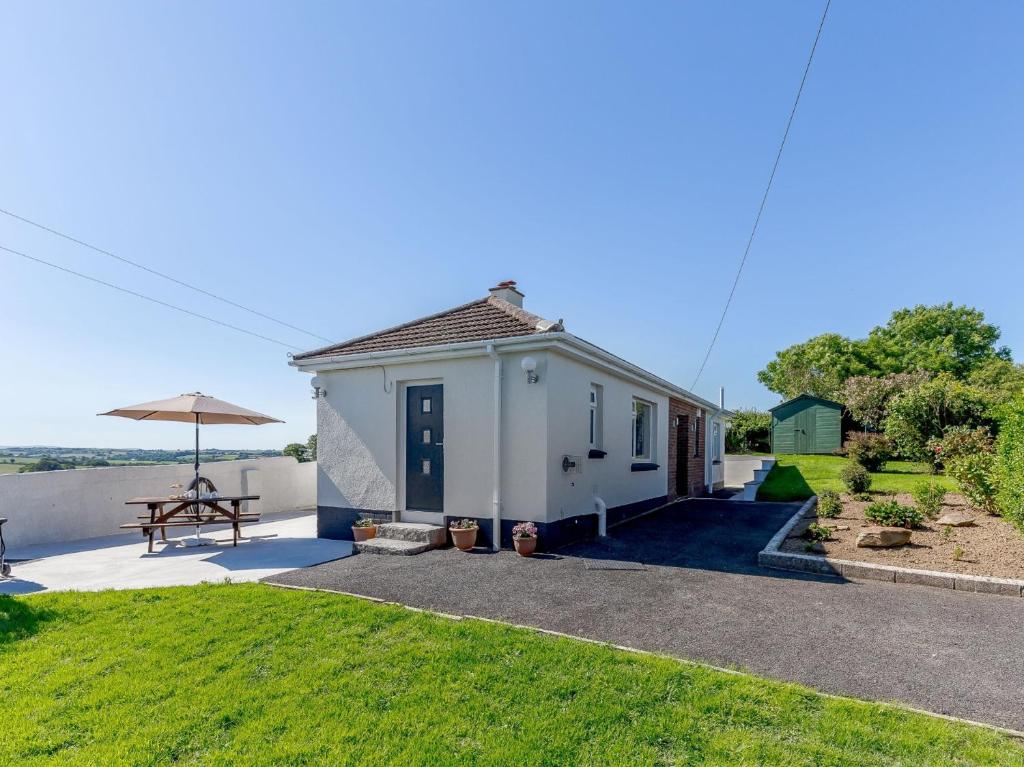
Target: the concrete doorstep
(770, 556)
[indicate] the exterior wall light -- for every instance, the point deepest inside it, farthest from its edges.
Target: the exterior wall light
(318, 387)
(529, 365)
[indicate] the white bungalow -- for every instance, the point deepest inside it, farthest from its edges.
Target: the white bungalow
(490, 412)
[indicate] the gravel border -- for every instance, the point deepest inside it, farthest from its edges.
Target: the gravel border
(771, 557)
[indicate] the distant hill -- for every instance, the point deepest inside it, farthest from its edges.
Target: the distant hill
(15, 458)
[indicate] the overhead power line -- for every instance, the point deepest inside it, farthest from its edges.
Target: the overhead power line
(147, 298)
(764, 197)
(145, 268)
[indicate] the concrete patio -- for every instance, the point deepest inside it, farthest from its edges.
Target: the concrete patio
(283, 542)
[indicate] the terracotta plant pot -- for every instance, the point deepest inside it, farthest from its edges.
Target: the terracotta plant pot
(364, 533)
(525, 546)
(464, 539)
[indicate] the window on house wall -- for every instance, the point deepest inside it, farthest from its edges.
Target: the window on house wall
(643, 419)
(716, 441)
(696, 433)
(595, 417)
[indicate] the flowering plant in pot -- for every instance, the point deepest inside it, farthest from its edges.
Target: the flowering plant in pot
(464, 533)
(364, 529)
(524, 536)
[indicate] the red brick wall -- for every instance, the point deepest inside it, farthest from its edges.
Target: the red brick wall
(695, 464)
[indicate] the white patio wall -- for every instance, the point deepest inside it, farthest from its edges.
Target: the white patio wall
(53, 506)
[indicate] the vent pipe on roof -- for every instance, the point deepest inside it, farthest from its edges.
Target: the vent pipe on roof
(507, 291)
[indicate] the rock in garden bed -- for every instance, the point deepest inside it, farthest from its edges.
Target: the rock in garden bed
(989, 546)
(882, 537)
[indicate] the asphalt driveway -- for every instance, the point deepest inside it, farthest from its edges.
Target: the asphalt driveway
(684, 581)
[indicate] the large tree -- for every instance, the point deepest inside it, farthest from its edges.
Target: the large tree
(937, 339)
(925, 339)
(819, 366)
(1001, 377)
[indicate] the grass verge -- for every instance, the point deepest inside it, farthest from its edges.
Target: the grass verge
(252, 675)
(798, 477)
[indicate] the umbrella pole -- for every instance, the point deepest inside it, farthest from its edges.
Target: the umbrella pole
(196, 466)
(198, 540)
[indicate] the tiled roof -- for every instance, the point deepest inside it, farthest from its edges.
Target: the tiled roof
(480, 320)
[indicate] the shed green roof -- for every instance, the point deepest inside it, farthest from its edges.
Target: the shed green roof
(813, 397)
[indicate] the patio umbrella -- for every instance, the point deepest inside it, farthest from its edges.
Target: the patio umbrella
(193, 408)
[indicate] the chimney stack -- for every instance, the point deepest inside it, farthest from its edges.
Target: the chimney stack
(506, 291)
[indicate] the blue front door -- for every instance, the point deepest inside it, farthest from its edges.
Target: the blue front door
(424, 448)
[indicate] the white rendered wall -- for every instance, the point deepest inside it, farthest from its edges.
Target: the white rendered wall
(53, 506)
(568, 387)
(360, 428)
(524, 452)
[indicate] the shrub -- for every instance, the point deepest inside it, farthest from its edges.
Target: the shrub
(829, 504)
(929, 496)
(817, 533)
(855, 477)
(867, 397)
(869, 450)
(977, 476)
(749, 431)
(862, 497)
(892, 513)
(1010, 461)
(957, 441)
(924, 412)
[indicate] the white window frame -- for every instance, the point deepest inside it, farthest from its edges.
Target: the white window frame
(648, 453)
(716, 441)
(595, 417)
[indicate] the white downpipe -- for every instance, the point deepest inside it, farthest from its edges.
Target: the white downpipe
(496, 494)
(602, 516)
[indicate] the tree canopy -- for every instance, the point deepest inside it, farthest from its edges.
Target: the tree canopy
(944, 338)
(818, 366)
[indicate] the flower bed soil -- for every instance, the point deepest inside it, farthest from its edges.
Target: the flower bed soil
(992, 546)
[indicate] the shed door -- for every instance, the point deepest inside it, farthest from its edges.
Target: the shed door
(803, 434)
(424, 448)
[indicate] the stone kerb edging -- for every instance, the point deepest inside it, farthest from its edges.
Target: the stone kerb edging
(771, 557)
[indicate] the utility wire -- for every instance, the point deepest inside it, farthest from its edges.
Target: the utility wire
(145, 268)
(764, 197)
(147, 298)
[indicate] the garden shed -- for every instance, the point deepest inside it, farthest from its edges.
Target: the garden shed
(807, 424)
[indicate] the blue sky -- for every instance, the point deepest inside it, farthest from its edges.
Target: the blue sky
(349, 166)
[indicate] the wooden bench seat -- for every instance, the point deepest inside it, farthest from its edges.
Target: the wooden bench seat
(189, 522)
(249, 517)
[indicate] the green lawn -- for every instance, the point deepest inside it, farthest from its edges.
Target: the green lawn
(251, 675)
(797, 477)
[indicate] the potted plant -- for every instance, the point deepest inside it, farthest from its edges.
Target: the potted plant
(524, 536)
(464, 533)
(364, 529)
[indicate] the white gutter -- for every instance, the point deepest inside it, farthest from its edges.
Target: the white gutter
(496, 494)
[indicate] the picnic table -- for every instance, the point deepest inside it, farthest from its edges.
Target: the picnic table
(190, 512)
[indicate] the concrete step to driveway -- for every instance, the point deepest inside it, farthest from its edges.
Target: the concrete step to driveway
(417, 532)
(392, 546)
